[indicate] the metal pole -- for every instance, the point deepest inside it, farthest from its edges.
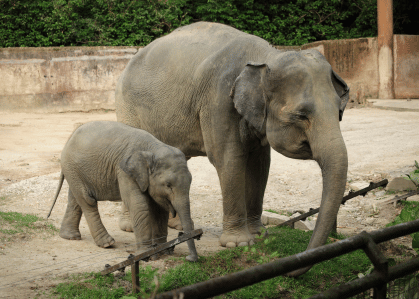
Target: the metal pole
(385, 49)
(224, 284)
(135, 270)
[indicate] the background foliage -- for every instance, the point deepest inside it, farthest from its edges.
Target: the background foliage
(44, 23)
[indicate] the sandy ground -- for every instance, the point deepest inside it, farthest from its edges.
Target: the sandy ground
(380, 143)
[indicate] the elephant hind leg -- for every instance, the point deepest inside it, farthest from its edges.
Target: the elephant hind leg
(91, 213)
(70, 226)
(125, 223)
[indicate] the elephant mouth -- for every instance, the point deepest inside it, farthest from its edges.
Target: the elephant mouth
(302, 151)
(305, 150)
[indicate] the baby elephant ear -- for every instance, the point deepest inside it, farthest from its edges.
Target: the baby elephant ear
(138, 165)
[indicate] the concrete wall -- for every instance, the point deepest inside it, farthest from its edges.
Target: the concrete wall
(406, 66)
(355, 60)
(84, 78)
(60, 79)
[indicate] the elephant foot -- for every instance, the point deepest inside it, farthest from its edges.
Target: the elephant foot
(125, 223)
(105, 241)
(70, 234)
(231, 239)
(192, 258)
(256, 228)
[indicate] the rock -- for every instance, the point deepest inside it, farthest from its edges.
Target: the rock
(356, 186)
(305, 225)
(380, 193)
(401, 184)
(269, 218)
(413, 198)
(369, 220)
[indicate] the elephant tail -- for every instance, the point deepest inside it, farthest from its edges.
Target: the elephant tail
(60, 184)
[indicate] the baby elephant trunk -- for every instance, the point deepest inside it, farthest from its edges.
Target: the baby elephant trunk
(185, 219)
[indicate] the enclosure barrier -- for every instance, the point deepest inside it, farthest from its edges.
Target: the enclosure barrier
(366, 241)
(134, 260)
(350, 195)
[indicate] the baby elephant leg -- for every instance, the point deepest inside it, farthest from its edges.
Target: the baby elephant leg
(159, 217)
(125, 223)
(70, 225)
(97, 230)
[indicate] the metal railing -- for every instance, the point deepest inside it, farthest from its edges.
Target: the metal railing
(377, 280)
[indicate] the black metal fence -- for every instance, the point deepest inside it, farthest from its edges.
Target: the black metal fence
(382, 281)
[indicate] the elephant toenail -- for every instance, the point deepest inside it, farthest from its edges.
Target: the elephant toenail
(230, 245)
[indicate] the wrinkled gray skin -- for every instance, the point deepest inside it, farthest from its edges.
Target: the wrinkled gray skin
(211, 90)
(112, 161)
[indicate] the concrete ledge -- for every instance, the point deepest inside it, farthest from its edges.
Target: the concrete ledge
(396, 105)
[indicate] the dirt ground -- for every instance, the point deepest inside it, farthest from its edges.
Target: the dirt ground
(381, 144)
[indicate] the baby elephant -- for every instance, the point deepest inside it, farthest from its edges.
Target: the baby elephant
(106, 160)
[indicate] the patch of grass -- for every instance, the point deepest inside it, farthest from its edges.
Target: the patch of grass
(90, 286)
(409, 212)
(12, 223)
(282, 242)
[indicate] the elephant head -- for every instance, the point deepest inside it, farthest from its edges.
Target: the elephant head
(294, 101)
(165, 176)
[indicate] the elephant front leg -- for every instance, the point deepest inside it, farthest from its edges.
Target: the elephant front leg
(257, 172)
(125, 220)
(70, 226)
(232, 179)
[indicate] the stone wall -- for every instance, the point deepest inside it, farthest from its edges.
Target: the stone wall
(84, 78)
(406, 66)
(355, 60)
(61, 79)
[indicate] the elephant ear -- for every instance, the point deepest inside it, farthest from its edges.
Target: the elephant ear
(342, 90)
(248, 94)
(139, 166)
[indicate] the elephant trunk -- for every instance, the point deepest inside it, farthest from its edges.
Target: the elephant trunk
(330, 153)
(186, 220)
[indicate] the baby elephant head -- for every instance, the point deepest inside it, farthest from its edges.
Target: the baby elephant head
(165, 176)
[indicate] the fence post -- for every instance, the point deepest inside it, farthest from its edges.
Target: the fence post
(380, 292)
(135, 278)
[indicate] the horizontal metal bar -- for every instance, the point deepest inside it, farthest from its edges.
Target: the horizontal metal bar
(367, 282)
(234, 281)
(184, 237)
(402, 197)
(362, 192)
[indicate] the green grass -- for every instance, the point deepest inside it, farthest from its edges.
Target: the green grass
(283, 242)
(90, 286)
(409, 212)
(12, 223)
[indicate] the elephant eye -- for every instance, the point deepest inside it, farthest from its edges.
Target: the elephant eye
(168, 185)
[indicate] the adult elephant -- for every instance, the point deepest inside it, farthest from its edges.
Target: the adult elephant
(211, 90)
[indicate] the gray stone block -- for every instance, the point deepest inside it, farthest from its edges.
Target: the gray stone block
(356, 186)
(269, 218)
(401, 184)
